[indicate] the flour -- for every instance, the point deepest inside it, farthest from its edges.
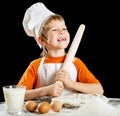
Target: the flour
(98, 107)
(89, 105)
(79, 99)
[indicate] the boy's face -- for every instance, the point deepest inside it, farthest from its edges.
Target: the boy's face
(57, 35)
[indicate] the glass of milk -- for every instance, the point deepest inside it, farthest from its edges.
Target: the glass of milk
(14, 98)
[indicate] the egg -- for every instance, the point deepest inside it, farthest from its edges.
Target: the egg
(56, 106)
(44, 107)
(31, 106)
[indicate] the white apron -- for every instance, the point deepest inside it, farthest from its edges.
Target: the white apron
(46, 74)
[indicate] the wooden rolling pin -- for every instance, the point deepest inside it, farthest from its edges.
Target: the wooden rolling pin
(73, 48)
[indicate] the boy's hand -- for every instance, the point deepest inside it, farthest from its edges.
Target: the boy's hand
(55, 89)
(63, 76)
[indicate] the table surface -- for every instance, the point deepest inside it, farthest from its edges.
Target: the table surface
(115, 102)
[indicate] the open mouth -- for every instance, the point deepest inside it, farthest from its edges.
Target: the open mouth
(61, 39)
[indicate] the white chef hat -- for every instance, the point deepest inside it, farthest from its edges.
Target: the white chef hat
(33, 18)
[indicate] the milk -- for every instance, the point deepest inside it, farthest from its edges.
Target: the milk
(14, 98)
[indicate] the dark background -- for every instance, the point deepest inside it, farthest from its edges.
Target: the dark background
(99, 48)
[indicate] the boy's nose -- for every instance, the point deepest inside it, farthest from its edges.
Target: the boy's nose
(60, 31)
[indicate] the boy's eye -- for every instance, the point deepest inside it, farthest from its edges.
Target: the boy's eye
(64, 29)
(59, 30)
(54, 30)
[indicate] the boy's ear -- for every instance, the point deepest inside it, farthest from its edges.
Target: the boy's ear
(41, 41)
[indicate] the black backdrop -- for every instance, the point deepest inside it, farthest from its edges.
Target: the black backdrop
(99, 48)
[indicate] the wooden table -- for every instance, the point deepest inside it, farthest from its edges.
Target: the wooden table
(64, 112)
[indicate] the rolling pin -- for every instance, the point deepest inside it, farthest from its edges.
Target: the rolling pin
(73, 48)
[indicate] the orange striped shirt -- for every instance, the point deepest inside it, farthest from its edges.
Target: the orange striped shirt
(29, 77)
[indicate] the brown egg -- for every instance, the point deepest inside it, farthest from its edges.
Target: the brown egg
(31, 106)
(44, 107)
(56, 106)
